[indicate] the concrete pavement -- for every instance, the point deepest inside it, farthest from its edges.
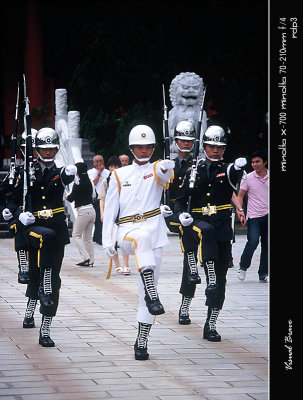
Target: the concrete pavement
(95, 329)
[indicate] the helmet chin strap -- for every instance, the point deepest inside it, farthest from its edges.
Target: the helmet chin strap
(184, 150)
(46, 159)
(212, 159)
(142, 159)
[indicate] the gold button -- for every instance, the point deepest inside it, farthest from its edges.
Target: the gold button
(221, 181)
(207, 194)
(44, 207)
(42, 187)
(43, 197)
(209, 184)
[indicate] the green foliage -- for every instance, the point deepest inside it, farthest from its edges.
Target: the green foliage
(126, 52)
(41, 116)
(108, 133)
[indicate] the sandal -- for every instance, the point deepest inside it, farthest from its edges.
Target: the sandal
(127, 271)
(84, 263)
(119, 270)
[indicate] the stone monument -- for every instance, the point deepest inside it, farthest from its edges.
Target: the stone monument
(186, 93)
(67, 125)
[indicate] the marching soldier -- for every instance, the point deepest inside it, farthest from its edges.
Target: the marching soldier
(45, 231)
(15, 227)
(134, 196)
(208, 224)
(184, 136)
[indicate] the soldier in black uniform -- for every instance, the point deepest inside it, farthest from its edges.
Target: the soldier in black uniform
(208, 224)
(45, 231)
(14, 226)
(184, 136)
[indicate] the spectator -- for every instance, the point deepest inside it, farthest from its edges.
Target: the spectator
(255, 186)
(124, 159)
(82, 195)
(96, 175)
(113, 163)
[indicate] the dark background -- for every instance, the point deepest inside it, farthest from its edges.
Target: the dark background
(113, 56)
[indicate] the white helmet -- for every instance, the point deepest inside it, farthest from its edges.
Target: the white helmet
(24, 135)
(215, 135)
(47, 138)
(184, 130)
(141, 134)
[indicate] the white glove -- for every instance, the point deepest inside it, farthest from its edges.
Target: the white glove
(110, 251)
(26, 218)
(186, 219)
(7, 214)
(70, 170)
(165, 211)
(240, 163)
(166, 164)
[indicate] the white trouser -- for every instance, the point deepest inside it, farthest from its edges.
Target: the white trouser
(82, 233)
(137, 242)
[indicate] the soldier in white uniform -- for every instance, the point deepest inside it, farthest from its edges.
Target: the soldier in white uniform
(133, 201)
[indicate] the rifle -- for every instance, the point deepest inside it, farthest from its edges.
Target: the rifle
(166, 140)
(193, 172)
(29, 172)
(12, 168)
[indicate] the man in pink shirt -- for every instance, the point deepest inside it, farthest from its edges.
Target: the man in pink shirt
(256, 188)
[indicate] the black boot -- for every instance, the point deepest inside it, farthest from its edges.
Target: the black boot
(140, 346)
(209, 331)
(211, 288)
(193, 275)
(23, 274)
(29, 321)
(45, 291)
(44, 336)
(184, 311)
(151, 296)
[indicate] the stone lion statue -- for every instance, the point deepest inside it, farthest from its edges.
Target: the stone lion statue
(186, 93)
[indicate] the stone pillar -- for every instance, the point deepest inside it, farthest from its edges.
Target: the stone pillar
(74, 140)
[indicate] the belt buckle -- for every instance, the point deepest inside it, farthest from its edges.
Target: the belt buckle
(45, 214)
(209, 210)
(138, 218)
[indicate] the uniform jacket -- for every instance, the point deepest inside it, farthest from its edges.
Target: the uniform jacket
(179, 173)
(15, 227)
(135, 189)
(46, 193)
(5, 188)
(213, 190)
(173, 222)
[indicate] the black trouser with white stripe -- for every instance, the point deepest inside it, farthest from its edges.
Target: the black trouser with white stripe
(44, 269)
(202, 235)
(187, 289)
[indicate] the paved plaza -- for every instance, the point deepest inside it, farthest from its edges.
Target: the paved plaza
(95, 330)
